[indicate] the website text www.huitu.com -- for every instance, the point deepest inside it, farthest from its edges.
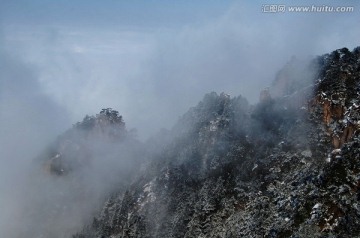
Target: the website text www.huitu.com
(279, 8)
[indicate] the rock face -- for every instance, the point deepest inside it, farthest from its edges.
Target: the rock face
(338, 94)
(287, 167)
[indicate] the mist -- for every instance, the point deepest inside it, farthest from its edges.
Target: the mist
(158, 69)
(149, 61)
(29, 120)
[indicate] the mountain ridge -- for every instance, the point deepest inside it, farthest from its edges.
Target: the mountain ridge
(286, 167)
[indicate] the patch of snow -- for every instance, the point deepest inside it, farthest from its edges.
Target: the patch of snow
(167, 174)
(306, 153)
(148, 194)
(213, 125)
(147, 187)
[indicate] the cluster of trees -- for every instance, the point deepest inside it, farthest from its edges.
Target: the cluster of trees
(106, 115)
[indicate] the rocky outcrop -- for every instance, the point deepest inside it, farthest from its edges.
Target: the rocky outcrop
(75, 148)
(337, 94)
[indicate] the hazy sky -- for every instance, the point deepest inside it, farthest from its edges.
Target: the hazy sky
(152, 60)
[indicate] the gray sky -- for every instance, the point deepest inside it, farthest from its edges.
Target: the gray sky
(152, 60)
